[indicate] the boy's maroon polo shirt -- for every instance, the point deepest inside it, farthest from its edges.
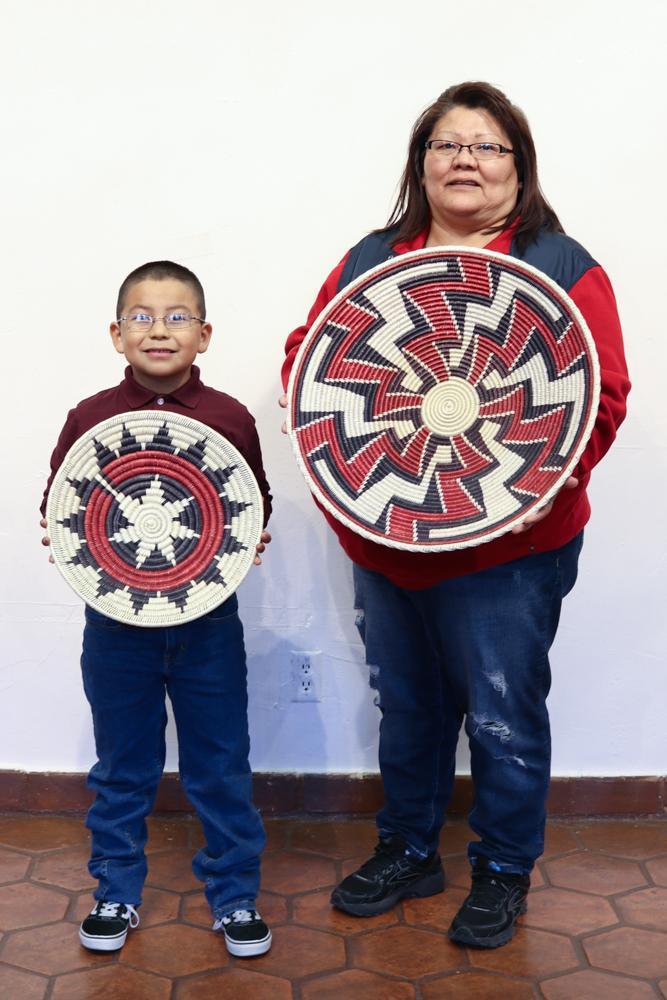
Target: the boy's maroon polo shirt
(216, 409)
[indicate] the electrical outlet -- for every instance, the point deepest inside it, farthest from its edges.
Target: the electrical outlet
(305, 665)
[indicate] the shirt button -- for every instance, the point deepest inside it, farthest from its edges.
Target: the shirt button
(160, 401)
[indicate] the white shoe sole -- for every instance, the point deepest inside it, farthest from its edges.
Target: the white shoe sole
(106, 943)
(247, 949)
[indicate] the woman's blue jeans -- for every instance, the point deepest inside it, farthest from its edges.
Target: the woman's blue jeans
(201, 665)
(474, 648)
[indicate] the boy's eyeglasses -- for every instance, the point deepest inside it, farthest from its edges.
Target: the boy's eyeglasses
(143, 322)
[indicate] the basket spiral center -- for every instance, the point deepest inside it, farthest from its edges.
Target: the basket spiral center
(450, 407)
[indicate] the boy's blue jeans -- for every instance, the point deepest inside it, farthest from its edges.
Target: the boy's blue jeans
(127, 670)
(475, 647)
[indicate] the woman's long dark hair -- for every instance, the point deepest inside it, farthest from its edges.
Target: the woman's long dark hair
(411, 212)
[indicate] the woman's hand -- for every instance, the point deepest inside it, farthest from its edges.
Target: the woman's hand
(283, 402)
(571, 483)
(46, 540)
(264, 540)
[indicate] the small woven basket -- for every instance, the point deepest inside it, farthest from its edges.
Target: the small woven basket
(154, 518)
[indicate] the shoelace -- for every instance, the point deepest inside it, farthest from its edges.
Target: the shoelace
(236, 917)
(488, 892)
(384, 858)
(107, 909)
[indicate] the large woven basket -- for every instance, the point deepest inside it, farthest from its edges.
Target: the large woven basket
(442, 397)
(154, 518)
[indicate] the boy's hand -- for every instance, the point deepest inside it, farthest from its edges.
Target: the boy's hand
(571, 483)
(264, 540)
(46, 540)
(283, 402)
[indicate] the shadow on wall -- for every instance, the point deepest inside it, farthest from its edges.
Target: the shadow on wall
(302, 598)
(281, 609)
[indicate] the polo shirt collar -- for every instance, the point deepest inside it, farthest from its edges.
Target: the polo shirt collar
(136, 395)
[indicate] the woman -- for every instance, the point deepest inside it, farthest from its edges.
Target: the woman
(466, 634)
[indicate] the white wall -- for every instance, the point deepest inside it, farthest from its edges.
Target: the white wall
(255, 144)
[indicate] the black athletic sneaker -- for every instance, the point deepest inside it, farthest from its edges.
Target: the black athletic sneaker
(488, 915)
(390, 875)
(105, 928)
(245, 932)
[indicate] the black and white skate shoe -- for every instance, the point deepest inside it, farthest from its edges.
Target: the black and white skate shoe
(106, 926)
(245, 932)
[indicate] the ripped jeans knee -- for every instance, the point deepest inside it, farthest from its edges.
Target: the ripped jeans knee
(489, 730)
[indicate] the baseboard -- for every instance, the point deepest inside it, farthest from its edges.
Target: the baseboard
(327, 794)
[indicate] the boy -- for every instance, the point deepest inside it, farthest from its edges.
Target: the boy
(160, 327)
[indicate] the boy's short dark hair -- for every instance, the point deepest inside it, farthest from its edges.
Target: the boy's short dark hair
(158, 270)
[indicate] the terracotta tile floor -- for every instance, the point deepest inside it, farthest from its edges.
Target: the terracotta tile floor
(596, 927)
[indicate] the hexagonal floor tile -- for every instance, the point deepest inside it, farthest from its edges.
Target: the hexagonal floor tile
(626, 839)
(434, 911)
(278, 833)
(315, 910)
(114, 983)
(404, 951)
(173, 870)
(158, 907)
(589, 985)
(455, 837)
(568, 912)
(353, 984)
(658, 870)
(196, 838)
(457, 871)
(476, 986)
(197, 911)
(537, 879)
(645, 908)
(594, 873)
(14, 983)
(174, 950)
(559, 839)
(629, 949)
(12, 866)
(336, 839)
(67, 869)
(42, 833)
(530, 953)
(290, 872)
(25, 905)
(234, 984)
(323, 950)
(316, 951)
(165, 834)
(51, 950)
